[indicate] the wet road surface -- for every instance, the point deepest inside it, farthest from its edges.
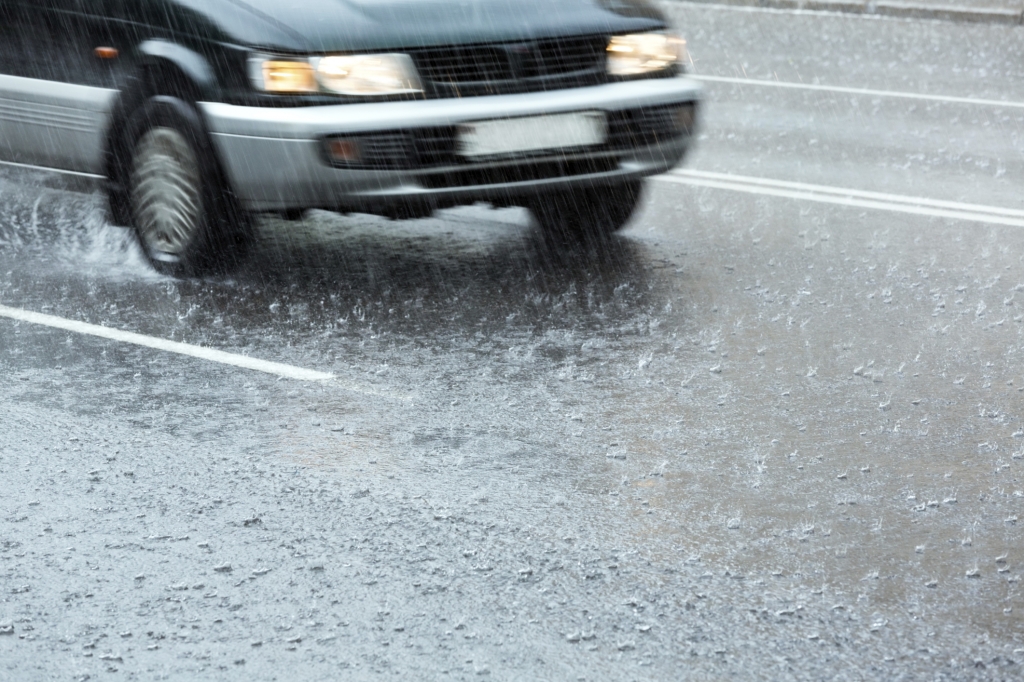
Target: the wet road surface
(754, 437)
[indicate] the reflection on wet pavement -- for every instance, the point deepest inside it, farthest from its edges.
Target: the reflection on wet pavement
(736, 402)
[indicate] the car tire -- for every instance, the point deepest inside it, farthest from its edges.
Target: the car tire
(183, 214)
(594, 212)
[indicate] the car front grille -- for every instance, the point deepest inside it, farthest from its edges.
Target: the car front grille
(470, 70)
(424, 149)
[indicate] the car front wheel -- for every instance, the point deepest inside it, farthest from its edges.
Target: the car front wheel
(183, 216)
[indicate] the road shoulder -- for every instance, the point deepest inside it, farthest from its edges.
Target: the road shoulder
(979, 11)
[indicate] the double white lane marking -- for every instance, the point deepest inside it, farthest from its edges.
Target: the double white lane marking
(848, 197)
(201, 352)
(851, 197)
(860, 91)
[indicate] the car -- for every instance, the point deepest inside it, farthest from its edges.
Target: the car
(195, 116)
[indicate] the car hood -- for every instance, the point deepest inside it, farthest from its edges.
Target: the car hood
(342, 25)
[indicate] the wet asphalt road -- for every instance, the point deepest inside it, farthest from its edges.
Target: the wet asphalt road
(753, 438)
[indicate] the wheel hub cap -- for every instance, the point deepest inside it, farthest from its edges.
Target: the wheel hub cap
(166, 193)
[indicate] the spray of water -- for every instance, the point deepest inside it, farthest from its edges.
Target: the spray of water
(54, 230)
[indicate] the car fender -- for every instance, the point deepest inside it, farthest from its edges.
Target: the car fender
(162, 54)
(176, 74)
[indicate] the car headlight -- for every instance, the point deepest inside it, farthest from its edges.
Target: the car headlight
(642, 53)
(358, 75)
(371, 74)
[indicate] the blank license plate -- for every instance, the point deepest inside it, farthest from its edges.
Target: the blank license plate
(532, 133)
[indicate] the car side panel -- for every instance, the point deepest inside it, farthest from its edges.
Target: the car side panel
(52, 124)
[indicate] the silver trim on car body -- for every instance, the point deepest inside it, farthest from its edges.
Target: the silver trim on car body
(274, 158)
(53, 124)
(315, 122)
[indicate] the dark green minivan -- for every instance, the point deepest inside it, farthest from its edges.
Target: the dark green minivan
(196, 115)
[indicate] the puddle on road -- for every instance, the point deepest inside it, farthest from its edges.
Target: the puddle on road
(327, 279)
(782, 417)
(831, 420)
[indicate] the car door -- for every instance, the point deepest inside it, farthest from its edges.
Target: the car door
(15, 24)
(58, 80)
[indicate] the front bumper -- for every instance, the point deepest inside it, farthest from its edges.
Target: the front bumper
(275, 161)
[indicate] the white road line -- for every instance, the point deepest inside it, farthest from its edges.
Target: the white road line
(224, 358)
(860, 91)
(844, 191)
(848, 197)
(46, 169)
(883, 12)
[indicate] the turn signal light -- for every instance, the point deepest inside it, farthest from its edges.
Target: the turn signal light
(344, 150)
(288, 77)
